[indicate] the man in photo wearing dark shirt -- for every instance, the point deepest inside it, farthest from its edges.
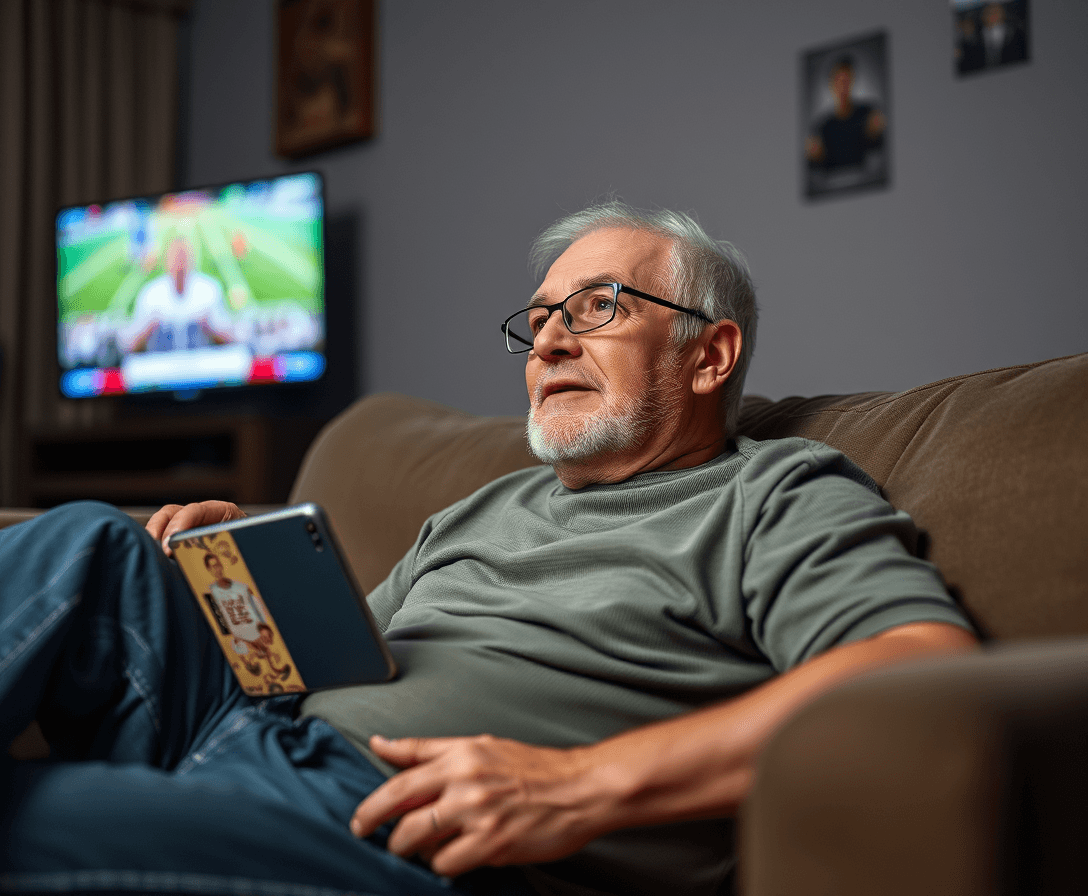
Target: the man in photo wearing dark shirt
(845, 138)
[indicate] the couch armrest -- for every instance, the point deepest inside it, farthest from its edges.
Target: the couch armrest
(9, 516)
(963, 775)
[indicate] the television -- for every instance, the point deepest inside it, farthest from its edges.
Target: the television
(213, 288)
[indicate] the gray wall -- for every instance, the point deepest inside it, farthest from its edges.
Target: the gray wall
(497, 117)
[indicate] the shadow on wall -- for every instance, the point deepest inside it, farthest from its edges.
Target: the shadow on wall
(344, 328)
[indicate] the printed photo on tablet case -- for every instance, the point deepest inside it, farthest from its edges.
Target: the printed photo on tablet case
(233, 606)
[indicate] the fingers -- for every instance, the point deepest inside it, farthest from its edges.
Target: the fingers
(471, 801)
(422, 832)
(420, 785)
(457, 832)
(472, 850)
(386, 803)
(402, 793)
(408, 751)
(175, 518)
(157, 524)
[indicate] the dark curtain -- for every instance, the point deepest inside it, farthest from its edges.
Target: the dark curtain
(88, 111)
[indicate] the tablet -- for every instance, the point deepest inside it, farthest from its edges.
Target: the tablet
(282, 602)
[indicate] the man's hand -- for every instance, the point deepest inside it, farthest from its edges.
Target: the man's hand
(175, 518)
(464, 802)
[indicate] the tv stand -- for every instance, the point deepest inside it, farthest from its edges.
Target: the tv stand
(167, 460)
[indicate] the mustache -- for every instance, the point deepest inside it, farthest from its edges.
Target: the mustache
(566, 372)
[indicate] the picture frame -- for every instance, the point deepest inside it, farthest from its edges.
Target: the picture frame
(845, 116)
(988, 35)
(325, 74)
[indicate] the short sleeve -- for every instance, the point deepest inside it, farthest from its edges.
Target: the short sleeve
(828, 560)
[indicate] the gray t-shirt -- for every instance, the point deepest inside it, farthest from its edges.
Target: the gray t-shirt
(559, 617)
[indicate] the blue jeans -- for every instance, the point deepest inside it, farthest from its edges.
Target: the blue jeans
(164, 776)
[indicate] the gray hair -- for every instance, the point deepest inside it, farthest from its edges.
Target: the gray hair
(706, 275)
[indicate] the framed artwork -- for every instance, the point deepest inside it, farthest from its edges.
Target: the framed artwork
(988, 34)
(325, 78)
(845, 116)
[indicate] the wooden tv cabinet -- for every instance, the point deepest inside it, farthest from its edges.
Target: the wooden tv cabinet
(147, 463)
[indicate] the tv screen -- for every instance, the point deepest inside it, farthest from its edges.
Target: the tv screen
(215, 287)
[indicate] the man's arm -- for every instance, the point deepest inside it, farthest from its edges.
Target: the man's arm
(467, 802)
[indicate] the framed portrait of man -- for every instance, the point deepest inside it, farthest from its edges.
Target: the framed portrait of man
(845, 116)
(988, 34)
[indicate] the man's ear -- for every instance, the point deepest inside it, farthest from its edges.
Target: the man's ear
(717, 356)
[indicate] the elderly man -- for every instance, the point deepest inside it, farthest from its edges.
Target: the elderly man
(592, 655)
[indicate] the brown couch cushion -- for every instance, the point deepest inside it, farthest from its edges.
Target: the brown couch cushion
(991, 466)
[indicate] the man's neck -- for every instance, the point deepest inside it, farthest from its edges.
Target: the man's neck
(605, 470)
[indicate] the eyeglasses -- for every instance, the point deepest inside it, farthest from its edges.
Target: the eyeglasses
(587, 309)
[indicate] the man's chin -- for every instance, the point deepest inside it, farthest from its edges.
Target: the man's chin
(549, 446)
(565, 439)
(554, 437)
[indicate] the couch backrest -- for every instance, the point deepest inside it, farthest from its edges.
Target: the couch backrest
(991, 465)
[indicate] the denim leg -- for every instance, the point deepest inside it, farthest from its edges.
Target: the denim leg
(179, 782)
(101, 641)
(261, 807)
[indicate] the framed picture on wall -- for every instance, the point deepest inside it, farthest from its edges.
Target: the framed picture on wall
(325, 76)
(845, 116)
(988, 34)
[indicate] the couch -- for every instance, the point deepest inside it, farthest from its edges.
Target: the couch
(955, 776)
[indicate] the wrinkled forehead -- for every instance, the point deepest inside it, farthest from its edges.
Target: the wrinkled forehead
(638, 258)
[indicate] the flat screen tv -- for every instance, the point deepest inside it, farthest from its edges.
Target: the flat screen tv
(212, 288)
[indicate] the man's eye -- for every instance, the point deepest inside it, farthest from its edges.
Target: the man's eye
(603, 304)
(536, 323)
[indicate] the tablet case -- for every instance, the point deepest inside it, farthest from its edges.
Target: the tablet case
(282, 602)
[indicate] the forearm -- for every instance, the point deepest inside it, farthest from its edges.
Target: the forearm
(701, 765)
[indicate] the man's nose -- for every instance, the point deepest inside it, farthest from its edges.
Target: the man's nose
(555, 339)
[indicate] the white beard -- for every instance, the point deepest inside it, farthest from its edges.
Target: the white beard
(571, 438)
(622, 424)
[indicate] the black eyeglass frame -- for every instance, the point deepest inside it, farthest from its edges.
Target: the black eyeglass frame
(617, 288)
